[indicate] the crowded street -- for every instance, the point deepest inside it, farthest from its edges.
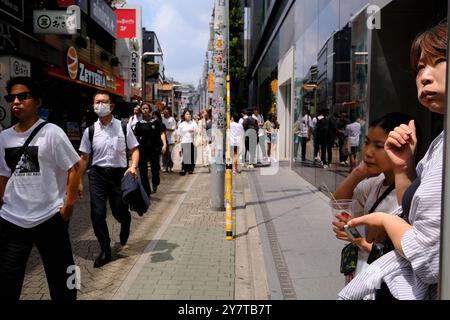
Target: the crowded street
(224, 150)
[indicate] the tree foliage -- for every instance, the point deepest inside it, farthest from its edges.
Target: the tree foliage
(237, 70)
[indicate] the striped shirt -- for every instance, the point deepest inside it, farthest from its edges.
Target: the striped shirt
(415, 276)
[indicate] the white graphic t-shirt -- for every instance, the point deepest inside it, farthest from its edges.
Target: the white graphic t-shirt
(37, 189)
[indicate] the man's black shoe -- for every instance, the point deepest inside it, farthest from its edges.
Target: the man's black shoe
(102, 259)
(155, 188)
(124, 233)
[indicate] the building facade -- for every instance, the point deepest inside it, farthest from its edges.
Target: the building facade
(342, 55)
(71, 65)
(153, 65)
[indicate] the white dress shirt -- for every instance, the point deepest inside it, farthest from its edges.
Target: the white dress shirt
(108, 144)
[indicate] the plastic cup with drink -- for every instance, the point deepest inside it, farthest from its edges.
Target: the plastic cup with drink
(343, 208)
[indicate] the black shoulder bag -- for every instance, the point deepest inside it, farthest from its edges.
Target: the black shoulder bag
(25, 145)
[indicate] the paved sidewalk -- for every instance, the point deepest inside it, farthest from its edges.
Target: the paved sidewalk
(103, 283)
(189, 258)
(301, 254)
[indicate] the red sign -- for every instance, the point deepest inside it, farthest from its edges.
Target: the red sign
(120, 86)
(126, 23)
(65, 3)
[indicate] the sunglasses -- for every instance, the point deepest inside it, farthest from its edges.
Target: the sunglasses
(10, 98)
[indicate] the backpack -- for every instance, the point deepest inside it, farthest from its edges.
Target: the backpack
(322, 127)
(251, 123)
(91, 139)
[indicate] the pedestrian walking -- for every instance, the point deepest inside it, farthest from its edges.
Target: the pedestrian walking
(236, 136)
(353, 132)
(261, 136)
(342, 122)
(171, 126)
(269, 128)
(105, 143)
(39, 173)
(187, 129)
(136, 117)
(251, 137)
(151, 136)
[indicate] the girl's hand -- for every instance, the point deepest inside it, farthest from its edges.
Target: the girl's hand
(363, 170)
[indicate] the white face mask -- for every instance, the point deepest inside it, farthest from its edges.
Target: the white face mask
(102, 109)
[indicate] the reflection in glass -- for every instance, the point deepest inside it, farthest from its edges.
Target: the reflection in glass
(331, 88)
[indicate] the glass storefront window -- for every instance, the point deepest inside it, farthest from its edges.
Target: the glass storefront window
(330, 89)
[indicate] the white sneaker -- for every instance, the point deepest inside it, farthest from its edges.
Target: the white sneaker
(250, 166)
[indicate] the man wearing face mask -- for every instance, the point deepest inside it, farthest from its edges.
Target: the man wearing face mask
(109, 165)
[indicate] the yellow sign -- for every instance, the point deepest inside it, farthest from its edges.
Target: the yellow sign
(211, 83)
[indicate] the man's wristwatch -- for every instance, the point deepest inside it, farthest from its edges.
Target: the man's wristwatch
(134, 166)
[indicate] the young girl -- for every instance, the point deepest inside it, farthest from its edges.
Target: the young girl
(371, 185)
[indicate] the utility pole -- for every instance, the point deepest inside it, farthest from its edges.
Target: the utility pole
(218, 106)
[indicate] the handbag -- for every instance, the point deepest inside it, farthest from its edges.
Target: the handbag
(349, 258)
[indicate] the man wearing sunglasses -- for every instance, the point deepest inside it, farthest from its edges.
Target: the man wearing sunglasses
(38, 187)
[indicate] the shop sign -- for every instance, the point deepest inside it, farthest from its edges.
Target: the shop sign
(102, 13)
(126, 23)
(91, 76)
(55, 21)
(13, 8)
(211, 83)
(10, 67)
(72, 63)
(65, 3)
(120, 86)
(83, 4)
(134, 68)
(19, 68)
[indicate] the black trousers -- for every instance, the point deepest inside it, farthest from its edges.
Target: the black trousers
(342, 156)
(105, 184)
(326, 149)
(152, 156)
(53, 243)
(304, 141)
(189, 157)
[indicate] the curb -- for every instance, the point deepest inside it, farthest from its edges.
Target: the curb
(250, 273)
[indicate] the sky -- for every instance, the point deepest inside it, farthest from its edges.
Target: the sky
(182, 28)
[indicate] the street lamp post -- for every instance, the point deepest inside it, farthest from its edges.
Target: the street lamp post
(148, 54)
